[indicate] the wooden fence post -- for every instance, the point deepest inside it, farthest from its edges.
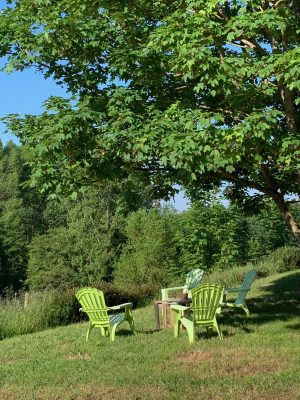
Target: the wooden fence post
(26, 299)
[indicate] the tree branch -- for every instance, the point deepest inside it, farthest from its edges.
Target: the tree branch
(254, 45)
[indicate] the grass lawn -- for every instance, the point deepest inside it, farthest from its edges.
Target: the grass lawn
(259, 357)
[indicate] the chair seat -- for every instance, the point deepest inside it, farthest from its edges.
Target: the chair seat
(116, 318)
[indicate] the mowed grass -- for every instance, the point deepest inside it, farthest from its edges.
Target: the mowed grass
(259, 357)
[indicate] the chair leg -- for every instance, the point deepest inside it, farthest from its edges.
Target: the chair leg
(189, 326)
(88, 331)
(218, 330)
(190, 331)
(245, 308)
(176, 323)
(131, 323)
(106, 331)
(112, 332)
(103, 332)
(129, 318)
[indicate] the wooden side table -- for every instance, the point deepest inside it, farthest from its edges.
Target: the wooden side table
(164, 306)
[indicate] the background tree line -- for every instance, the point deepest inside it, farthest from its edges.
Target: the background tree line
(113, 232)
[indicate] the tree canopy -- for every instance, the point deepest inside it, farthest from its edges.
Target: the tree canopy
(191, 92)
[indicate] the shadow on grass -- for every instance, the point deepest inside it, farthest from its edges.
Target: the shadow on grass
(280, 302)
(296, 327)
(149, 331)
(124, 332)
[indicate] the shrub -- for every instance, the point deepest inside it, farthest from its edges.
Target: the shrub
(139, 295)
(230, 277)
(60, 308)
(281, 260)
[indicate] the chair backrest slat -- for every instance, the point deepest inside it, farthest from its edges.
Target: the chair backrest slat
(193, 278)
(93, 303)
(249, 278)
(206, 298)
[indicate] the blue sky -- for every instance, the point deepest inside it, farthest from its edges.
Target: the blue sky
(24, 93)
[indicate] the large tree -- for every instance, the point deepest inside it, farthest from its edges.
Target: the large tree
(191, 92)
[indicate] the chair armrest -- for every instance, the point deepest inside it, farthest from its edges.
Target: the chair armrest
(178, 307)
(235, 290)
(176, 288)
(124, 305)
(173, 288)
(231, 290)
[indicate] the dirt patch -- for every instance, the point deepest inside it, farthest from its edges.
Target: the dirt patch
(103, 392)
(6, 394)
(10, 361)
(76, 357)
(248, 393)
(253, 394)
(244, 362)
(198, 355)
(234, 362)
(122, 393)
(86, 392)
(63, 346)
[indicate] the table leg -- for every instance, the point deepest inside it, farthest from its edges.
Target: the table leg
(156, 314)
(164, 316)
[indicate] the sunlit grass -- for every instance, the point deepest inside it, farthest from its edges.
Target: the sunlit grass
(258, 358)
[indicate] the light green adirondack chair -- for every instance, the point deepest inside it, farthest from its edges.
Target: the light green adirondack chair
(240, 301)
(193, 279)
(206, 300)
(93, 304)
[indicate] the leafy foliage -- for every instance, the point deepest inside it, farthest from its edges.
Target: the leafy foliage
(212, 237)
(83, 243)
(149, 255)
(19, 206)
(193, 92)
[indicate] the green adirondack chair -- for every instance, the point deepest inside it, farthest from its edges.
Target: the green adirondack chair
(242, 291)
(93, 304)
(193, 279)
(206, 300)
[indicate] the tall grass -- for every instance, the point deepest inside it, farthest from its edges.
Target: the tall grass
(55, 308)
(44, 310)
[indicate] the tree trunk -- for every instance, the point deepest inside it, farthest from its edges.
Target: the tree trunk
(288, 217)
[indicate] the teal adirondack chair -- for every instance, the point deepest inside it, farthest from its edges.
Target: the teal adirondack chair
(242, 291)
(93, 304)
(193, 279)
(206, 300)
